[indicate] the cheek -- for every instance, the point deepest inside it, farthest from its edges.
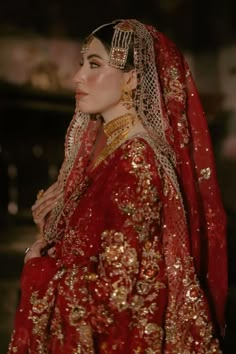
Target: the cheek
(93, 80)
(96, 79)
(105, 82)
(111, 87)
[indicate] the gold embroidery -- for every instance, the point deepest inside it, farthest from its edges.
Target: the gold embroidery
(77, 312)
(205, 173)
(121, 260)
(146, 209)
(41, 311)
(182, 127)
(192, 314)
(174, 88)
(56, 327)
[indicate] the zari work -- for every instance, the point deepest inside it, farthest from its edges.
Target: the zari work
(100, 291)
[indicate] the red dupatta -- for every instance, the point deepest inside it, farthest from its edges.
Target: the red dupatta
(196, 171)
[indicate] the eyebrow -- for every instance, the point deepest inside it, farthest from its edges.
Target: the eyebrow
(94, 55)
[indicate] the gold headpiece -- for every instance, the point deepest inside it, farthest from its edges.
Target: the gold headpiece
(86, 43)
(88, 39)
(119, 45)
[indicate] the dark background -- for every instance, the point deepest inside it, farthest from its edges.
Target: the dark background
(195, 25)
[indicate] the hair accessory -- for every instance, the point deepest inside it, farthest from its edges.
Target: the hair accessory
(120, 44)
(88, 40)
(86, 44)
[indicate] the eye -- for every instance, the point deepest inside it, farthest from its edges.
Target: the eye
(93, 65)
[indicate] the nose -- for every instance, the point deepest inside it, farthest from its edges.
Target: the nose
(78, 77)
(81, 74)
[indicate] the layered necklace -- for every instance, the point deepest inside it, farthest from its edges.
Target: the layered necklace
(116, 131)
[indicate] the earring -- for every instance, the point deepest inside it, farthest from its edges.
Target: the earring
(126, 98)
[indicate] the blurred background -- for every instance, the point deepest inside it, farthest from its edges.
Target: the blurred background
(39, 54)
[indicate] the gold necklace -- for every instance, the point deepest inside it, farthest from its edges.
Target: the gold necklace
(116, 130)
(117, 125)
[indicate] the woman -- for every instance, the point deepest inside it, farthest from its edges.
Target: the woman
(133, 231)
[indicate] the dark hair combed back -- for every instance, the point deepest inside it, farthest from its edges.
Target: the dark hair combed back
(105, 34)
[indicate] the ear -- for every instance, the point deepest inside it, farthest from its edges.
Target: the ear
(131, 79)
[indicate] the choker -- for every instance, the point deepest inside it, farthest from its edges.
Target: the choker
(116, 131)
(119, 126)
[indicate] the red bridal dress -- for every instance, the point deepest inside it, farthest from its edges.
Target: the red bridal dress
(109, 289)
(140, 264)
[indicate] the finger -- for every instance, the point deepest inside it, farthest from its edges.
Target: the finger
(51, 203)
(49, 193)
(42, 192)
(40, 226)
(49, 190)
(42, 211)
(39, 211)
(34, 250)
(50, 198)
(38, 244)
(55, 186)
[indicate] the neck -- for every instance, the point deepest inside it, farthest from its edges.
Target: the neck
(119, 126)
(116, 131)
(109, 115)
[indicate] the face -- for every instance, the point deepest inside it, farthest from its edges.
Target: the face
(98, 85)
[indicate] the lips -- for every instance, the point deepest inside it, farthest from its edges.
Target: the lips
(79, 94)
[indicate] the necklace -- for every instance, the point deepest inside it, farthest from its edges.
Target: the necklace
(116, 131)
(118, 125)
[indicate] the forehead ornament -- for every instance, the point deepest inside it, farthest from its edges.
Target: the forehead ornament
(85, 46)
(120, 44)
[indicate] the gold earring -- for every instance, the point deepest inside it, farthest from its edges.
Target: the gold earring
(126, 98)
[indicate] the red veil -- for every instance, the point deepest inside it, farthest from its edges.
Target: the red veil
(188, 134)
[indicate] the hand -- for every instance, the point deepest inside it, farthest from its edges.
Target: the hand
(40, 248)
(35, 250)
(45, 204)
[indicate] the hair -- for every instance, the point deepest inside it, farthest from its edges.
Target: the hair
(105, 35)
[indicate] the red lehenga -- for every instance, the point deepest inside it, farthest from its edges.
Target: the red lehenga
(141, 260)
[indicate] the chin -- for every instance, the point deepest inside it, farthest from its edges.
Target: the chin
(86, 111)
(83, 109)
